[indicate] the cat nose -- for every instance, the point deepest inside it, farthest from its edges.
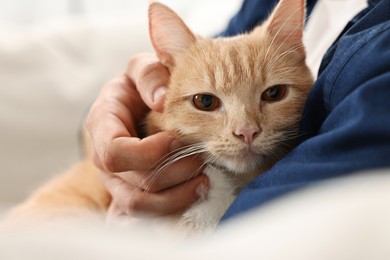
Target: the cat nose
(247, 134)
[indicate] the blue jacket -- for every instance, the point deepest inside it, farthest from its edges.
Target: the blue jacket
(346, 120)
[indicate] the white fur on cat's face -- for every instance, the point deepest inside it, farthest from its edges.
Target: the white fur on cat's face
(237, 71)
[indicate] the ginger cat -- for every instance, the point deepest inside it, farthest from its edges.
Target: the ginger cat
(236, 101)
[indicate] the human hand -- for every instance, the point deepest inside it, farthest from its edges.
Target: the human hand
(126, 160)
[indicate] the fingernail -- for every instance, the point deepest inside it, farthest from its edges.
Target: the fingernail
(158, 93)
(175, 144)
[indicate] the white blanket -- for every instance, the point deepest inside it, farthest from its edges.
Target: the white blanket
(347, 218)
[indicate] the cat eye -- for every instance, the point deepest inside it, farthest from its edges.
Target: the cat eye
(206, 102)
(274, 93)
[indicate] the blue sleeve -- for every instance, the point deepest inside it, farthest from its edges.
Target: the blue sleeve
(346, 118)
(252, 13)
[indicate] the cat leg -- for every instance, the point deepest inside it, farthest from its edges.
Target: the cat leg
(204, 216)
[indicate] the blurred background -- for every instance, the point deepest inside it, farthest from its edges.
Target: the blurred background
(54, 57)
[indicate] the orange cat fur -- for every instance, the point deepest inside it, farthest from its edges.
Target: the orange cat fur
(77, 194)
(236, 101)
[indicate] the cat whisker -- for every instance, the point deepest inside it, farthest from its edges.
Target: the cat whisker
(196, 172)
(277, 153)
(280, 57)
(169, 156)
(176, 158)
(170, 159)
(279, 144)
(163, 167)
(284, 41)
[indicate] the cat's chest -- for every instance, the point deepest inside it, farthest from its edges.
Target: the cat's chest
(204, 216)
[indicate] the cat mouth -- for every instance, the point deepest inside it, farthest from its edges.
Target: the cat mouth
(247, 154)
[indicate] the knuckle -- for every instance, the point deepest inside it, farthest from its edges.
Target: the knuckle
(96, 161)
(134, 59)
(109, 160)
(152, 70)
(139, 58)
(120, 80)
(149, 185)
(135, 203)
(91, 119)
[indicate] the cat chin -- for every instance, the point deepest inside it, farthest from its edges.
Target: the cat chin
(238, 166)
(242, 166)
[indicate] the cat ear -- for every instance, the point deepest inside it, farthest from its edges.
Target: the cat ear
(287, 21)
(168, 33)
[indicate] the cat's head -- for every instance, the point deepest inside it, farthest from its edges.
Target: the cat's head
(238, 100)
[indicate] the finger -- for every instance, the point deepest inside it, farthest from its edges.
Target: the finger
(127, 154)
(104, 133)
(111, 125)
(119, 98)
(113, 115)
(135, 202)
(173, 175)
(150, 78)
(114, 213)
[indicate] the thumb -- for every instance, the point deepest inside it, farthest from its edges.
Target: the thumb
(158, 98)
(151, 79)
